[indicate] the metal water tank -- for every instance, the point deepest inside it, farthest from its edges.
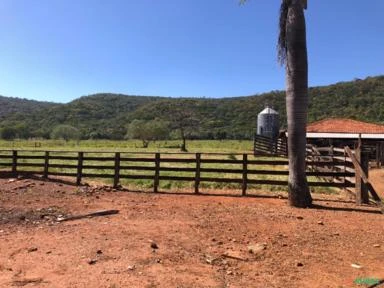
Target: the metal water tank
(268, 123)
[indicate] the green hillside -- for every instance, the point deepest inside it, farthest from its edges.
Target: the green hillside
(108, 115)
(12, 105)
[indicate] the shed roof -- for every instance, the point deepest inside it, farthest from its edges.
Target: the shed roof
(342, 125)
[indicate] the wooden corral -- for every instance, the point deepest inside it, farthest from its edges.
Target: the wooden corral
(355, 160)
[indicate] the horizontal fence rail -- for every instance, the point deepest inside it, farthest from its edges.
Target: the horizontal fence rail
(239, 169)
(335, 162)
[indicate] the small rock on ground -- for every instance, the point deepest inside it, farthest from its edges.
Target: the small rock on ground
(257, 248)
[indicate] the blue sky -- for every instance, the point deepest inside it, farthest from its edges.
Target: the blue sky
(59, 50)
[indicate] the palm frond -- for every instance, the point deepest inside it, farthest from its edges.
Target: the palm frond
(282, 41)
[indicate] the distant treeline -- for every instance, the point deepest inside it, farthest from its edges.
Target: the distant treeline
(116, 116)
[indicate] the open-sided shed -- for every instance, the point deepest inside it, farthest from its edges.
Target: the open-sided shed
(340, 132)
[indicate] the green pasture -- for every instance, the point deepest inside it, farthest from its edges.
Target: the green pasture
(193, 146)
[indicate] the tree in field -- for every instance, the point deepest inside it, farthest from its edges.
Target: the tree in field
(8, 133)
(292, 52)
(137, 130)
(182, 119)
(66, 132)
(147, 131)
(13, 130)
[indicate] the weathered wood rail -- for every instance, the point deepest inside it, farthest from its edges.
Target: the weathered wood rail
(356, 161)
(331, 157)
(360, 161)
(241, 169)
(269, 147)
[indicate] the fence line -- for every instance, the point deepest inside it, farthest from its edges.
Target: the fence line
(136, 166)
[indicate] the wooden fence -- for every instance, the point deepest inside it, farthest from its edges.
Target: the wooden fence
(356, 161)
(242, 169)
(267, 146)
(331, 157)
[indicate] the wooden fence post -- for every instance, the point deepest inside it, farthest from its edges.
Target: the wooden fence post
(245, 171)
(197, 173)
(377, 155)
(361, 187)
(116, 178)
(358, 180)
(365, 166)
(14, 163)
(79, 168)
(382, 153)
(345, 169)
(362, 175)
(157, 173)
(46, 165)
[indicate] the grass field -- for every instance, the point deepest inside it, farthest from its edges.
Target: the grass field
(231, 149)
(206, 146)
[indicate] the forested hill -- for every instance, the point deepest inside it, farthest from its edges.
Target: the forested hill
(13, 105)
(109, 115)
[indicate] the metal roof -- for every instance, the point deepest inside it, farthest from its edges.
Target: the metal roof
(342, 135)
(345, 135)
(268, 110)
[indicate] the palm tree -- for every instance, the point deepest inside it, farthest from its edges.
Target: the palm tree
(292, 52)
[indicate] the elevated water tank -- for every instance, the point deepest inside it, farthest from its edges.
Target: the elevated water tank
(268, 123)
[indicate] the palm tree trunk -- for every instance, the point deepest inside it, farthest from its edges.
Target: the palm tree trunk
(297, 104)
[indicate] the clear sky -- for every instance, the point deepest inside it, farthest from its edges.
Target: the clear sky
(59, 50)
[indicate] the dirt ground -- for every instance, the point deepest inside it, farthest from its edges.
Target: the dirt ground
(160, 240)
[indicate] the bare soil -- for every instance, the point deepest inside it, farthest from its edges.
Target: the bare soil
(160, 240)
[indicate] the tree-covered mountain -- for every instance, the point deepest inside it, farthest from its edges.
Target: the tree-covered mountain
(109, 115)
(13, 105)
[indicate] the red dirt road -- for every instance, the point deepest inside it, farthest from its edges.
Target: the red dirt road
(202, 240)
